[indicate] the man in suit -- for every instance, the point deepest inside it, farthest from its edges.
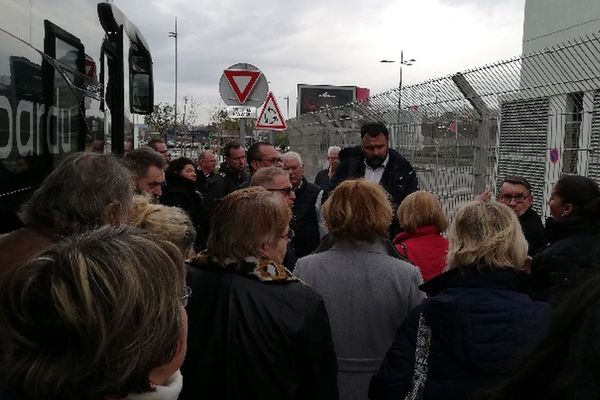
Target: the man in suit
(375, 161)
(306, 211)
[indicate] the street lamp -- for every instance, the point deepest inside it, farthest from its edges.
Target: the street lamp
(174, 35)
(402, 62)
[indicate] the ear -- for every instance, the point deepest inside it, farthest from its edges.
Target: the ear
(263, 250)
(567, 209)
(255, 164)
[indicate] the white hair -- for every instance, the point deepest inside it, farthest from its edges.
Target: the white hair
(333, 149)
(293, 155)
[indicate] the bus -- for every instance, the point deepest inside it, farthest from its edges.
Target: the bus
(73, 76)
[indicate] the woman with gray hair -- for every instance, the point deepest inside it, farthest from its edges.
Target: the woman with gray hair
(256, 331)
(469, 334)
(85, 191)
(98, 316)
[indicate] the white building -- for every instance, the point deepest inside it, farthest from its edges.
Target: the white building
(552, 127)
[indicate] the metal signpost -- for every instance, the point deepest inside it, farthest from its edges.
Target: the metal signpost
(244, 85)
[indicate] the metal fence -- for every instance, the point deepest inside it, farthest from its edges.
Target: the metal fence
(536, 116)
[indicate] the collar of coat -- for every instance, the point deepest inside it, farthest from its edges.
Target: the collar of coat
(570, 226)
(263, 269)
(425, 230)
(476, 276)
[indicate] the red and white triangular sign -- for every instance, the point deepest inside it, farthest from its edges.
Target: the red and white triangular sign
(242, 82)
(270, 116)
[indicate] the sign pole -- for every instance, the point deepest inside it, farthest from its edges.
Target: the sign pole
(242, 123)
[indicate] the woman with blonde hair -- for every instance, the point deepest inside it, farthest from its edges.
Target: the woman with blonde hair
(256, 331)
(367, 292)
(470, 332)
(171, 223)
(421, 217)
(98, 316)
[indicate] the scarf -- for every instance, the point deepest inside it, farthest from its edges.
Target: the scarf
(168, 391)
(263, 269)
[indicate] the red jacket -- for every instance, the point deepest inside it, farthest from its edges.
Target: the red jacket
(426, 248)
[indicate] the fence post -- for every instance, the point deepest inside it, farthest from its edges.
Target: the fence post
(481, 155)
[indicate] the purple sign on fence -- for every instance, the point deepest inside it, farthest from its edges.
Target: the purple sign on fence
(554, 155)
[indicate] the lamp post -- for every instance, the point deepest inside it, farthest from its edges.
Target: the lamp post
(174, 35)
(402, 62)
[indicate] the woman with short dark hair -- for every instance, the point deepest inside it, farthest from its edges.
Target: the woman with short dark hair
(97, 316)
(181, 191)
(573, 254)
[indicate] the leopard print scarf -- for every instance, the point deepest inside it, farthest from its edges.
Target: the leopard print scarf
(263, 269)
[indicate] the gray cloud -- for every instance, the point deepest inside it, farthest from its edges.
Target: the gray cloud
(314, 41)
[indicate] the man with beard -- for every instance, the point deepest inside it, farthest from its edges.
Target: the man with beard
(147, 171)
(375, 161)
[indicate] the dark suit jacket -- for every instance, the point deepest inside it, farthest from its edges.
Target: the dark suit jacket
(399, 178)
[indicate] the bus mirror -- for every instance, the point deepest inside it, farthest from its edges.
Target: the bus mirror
(141, 93)
(141, 87)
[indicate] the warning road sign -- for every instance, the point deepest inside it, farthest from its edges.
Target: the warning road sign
(270, 116)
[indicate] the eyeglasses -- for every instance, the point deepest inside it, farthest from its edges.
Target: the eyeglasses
(188, 293)
(289, 235)
(287, 191)
(273, 160)
(507, 198)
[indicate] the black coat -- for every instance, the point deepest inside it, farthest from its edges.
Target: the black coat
(231, 179)
(533, 230)
(181, 192)
(573, 254)
(480, 323)
(213, 189)
(250, 339)
(305, 220)
(399, 178)
(322, 179)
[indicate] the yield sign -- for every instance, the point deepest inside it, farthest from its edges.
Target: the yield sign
(270, 117)
(242, 82)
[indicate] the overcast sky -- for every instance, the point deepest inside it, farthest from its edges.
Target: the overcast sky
(337, 42)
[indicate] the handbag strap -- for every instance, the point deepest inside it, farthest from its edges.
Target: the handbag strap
(421, 361)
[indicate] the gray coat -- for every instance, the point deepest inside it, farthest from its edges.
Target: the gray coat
(367, 295)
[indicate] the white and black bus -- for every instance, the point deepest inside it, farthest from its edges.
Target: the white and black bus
(73, 74)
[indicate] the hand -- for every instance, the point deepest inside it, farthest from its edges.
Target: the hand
(485, 196)
(331, 171)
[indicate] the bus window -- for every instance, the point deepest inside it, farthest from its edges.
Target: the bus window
(65, 131)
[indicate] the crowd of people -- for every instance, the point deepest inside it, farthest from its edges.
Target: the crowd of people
(151, 278)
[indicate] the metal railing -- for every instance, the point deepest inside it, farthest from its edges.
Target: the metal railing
(536, 116)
